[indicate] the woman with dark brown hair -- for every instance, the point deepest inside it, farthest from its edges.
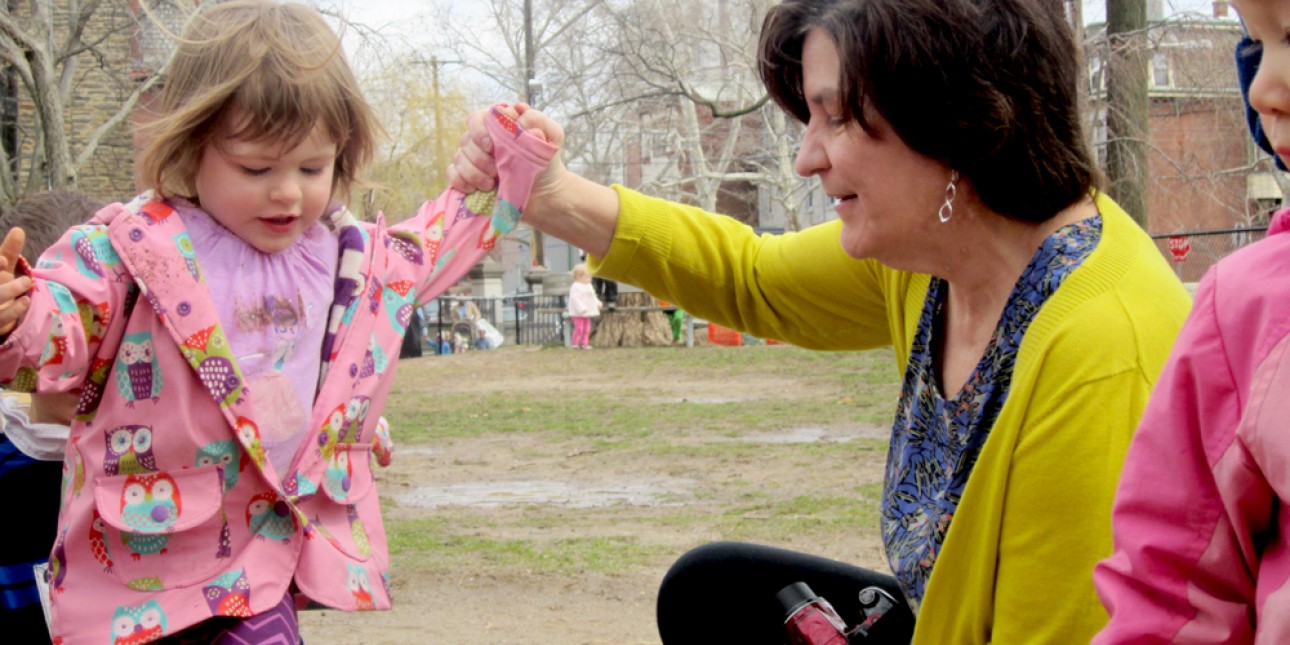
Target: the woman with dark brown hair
(1030, 315)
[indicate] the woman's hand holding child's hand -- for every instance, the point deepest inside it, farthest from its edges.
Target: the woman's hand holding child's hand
(560, 203)
(473, 167)
(14, 300)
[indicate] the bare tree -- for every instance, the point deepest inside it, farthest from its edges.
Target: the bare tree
(422, 111)
(709, 118)
(658, 94)
(1202, 171)
(785, 189)
(538, 52)
(1127, 106)
(52, 48)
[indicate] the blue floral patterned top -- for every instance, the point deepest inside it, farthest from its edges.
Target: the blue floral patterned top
(935, 441)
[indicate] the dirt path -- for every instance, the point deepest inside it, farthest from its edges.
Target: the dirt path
(526, 523)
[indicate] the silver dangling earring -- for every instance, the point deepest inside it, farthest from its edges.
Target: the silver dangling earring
(947, 209)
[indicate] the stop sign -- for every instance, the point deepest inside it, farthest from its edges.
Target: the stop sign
(1179, 247)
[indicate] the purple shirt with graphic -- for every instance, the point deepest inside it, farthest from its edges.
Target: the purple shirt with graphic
(275, 319)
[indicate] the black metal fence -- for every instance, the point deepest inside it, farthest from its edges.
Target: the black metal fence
(528, 319)
(522, 319)
(1192, 253)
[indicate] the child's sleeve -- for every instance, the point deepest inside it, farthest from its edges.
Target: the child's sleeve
(454, 232)
(75, 299)
(1189, 504)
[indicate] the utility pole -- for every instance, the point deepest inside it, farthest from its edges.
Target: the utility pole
(538, 246)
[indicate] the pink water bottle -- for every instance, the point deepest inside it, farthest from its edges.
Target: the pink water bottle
(810, 620)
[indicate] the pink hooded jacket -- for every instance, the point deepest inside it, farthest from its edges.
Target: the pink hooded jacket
(170, 512)
(1200, 519)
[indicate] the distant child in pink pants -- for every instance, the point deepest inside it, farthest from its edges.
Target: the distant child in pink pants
(583, 306)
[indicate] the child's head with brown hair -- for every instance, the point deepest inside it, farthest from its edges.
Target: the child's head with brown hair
(581, 273)
(256, 71)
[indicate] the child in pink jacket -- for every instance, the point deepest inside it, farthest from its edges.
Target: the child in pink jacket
(1201, 525)
(234, 331)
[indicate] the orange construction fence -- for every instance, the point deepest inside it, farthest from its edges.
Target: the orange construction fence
(719, 335)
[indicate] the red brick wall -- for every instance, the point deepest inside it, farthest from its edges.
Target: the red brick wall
(1197, 165)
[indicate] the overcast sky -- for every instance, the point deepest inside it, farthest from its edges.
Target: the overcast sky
(405, 24)
(377, 14)
(1095, 10)
(399, 24)
(387, 14)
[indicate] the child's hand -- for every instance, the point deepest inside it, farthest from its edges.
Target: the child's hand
(516, 113)
(538, 124)
(473, 167)
(13, 289)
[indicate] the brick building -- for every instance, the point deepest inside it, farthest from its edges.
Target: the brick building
(679, 150)
(661, 156)
(1204, 172)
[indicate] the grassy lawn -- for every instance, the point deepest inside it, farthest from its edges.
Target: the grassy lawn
(710, 418)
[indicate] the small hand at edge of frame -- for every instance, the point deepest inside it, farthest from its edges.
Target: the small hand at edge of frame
(15, 281)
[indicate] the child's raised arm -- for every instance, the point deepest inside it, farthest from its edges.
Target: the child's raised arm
(13, 288)
(452, 233)
(57, 313)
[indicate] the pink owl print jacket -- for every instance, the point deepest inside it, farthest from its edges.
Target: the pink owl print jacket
(171, 513)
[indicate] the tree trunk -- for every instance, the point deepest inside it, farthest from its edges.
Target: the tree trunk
(58, 171)
(1127, 106)
(620, 328)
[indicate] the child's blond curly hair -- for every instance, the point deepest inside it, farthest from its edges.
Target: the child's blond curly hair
(256, 70)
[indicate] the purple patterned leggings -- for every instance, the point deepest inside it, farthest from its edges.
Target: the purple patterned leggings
(277, 626)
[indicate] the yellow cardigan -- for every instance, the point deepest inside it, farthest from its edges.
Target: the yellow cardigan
(1017, 564)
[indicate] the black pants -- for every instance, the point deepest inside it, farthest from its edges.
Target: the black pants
(724, 592)
(606, 290)
(413, 340)
(34, 488)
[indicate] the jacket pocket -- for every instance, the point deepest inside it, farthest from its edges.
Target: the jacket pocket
(163, 529)
(347, 510)
(347, 478)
